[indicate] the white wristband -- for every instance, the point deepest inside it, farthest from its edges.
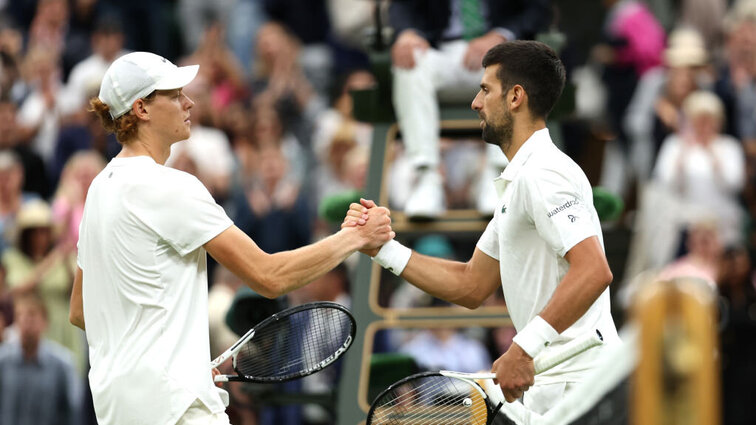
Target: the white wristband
(536, 336)
(393, 257)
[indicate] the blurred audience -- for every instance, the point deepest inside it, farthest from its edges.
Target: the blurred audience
(38, 263)
(39, 384)
(274, 132)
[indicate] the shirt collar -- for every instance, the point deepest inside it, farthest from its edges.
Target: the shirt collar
(535, 141)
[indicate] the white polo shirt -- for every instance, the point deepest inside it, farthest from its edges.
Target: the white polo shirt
(145, 291)
(545, 208)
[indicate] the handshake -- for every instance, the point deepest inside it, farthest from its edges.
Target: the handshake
(370, 224)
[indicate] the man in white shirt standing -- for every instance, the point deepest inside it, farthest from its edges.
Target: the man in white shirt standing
(141, 286)
(544, 244)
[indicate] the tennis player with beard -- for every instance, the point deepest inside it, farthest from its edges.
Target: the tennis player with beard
(140, 291)
(544, 245)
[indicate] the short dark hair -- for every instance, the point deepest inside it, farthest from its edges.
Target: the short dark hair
(534, 66)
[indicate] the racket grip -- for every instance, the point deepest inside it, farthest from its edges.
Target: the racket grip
(221, 378)
(548, 360)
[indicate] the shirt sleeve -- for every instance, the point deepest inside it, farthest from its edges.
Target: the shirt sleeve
(189, 216)
(489, 241)
(562, 215)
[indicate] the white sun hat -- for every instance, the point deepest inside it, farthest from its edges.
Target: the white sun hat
(135, 75)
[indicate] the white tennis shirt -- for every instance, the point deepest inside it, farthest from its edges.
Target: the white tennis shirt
(545, 208)
(145, 291)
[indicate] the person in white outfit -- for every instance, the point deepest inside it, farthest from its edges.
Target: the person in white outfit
(140, 290)
(544, 245)
(437, 55)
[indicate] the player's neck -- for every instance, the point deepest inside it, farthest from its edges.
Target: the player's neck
(521, 132)
(146, 146)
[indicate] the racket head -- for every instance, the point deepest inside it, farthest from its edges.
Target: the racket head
(294, 343)
(432, 398)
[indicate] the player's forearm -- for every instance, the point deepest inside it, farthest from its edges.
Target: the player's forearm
(445, 279)
(290, 270)
(76, 306)
(578, 290)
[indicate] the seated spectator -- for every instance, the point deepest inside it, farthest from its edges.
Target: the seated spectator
(39, 114)
(39, 384)
(703, 255)
(738, 328)
(704, 168)
(447, 348)
(736, 83)
(12, 196)
(656, 107)
(68, 202)
(220, 73)
(308, 22)
(633, 44)
(269, 206)
(37, 264)
(280, 81)
(11, 140)
(107, 45)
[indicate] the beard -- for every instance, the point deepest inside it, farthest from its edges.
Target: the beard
(499, 134)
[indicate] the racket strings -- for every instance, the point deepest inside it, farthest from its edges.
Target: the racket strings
(294, 343)
(431, 400)
(445, 409)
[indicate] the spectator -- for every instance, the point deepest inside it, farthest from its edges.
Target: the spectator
(439, 48)
(107, 45)
(738, 345)
(12, 197)
(656, 107)
(36, 264)
(280, 82)
(633, 44)
(39, 115)
(736, 84)
(704, 168)
(39, 384)
(198, 14)
(68, 202)
(34, 174)
(270, 207)
(308, 22)
(82, 132)
(702, 259)
(449, 349)
(220, 73)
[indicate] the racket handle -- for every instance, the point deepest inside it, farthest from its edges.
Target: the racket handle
(221, 378)
(548, 360)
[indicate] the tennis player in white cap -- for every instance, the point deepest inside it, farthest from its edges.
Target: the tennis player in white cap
(140, 290)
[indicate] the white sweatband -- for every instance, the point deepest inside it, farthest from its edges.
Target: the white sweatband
(535, 336)
(393, 257)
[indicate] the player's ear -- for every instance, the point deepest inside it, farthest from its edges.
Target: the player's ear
(139, 109)
(517, 93)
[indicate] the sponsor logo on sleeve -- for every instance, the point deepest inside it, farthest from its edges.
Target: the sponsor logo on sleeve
(563, 207)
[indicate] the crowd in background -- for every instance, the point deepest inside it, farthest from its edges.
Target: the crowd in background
(664, 116)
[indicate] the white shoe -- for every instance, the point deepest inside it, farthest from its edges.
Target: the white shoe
(487, 198)
(426, 201)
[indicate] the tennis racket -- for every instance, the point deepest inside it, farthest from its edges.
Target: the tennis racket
(296, 342)
(455, 398)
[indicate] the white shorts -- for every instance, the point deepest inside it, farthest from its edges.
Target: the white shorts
(199, 414)
(541, 398)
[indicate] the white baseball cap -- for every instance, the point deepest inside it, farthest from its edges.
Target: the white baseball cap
(135, 75)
